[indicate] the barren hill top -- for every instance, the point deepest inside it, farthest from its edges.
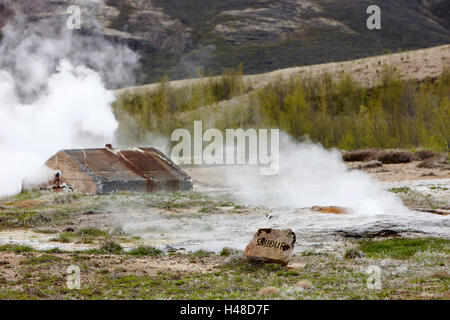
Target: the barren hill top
(417, 65)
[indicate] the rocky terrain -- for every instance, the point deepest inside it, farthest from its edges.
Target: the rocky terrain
(157, 246)
(181, 38)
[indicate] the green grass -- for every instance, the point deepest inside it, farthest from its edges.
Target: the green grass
(202, 254)
(225, 252)
(404, 248)
(15, 248)
(59, 209)
(207, 209)
(44, 259)
(42, 276)
(23, 196)
(438, 188)
(111, 247)
(56, 208)
(353, 254)
(54, 250)
(400, 190)
(146, 251)
(65, 237)
(91, 232)
(85, 235)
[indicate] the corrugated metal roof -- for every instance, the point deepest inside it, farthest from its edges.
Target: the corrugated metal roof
(103, 164)
(127, 164)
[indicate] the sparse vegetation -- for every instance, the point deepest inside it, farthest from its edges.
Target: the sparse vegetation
(202, 253)
(15, 248)
(146, 251)
(39, 260)
(43, 275)
(400, 190)
(404, 248)
(111, 247)
(421, 155)
(50, 210)
(145, 272)
(225, 252)
(353, 254)
(394, 156)
(91, 232)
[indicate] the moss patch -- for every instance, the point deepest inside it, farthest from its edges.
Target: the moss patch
(404, 248)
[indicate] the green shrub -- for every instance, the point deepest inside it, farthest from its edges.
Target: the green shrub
(395, 114)
(90, 232)
(225, 252)
(360, 155)
(15, 248)
(202, 253)
(111, 247)
(43, 259)
(146, 251)
(353, 254)
(393, 156)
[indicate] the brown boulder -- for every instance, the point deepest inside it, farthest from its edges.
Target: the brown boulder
(271, 245)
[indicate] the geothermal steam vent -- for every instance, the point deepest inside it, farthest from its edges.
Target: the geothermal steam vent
(107, 170)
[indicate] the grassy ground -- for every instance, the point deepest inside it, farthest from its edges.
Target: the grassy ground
(418, 200)
(44, 210)
(410, 269)
(80, 220)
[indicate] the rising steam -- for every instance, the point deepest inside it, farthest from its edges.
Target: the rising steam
(53, 94)
(309, 176)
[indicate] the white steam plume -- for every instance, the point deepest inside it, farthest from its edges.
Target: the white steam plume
(53, 94)
(309, 176)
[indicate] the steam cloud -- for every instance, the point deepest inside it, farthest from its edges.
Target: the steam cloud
(309, 176)
(55, 92)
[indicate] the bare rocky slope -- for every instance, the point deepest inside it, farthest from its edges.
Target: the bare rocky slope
(183, 37)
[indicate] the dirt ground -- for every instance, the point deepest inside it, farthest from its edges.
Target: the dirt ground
(43, 234)
(215, 175)
(404, 172)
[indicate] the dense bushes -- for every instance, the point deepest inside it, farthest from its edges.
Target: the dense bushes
(396, 114)
(162, 111)
(383, 156)
(360, 155)
(394, 157)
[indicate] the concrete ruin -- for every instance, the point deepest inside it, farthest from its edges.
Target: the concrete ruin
(109, 170)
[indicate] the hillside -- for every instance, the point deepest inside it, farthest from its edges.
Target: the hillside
(390, 101)
(413, 65)
(181, 38)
